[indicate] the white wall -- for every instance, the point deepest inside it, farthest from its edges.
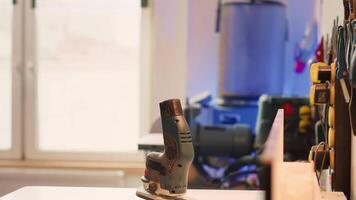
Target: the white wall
(329, 11)
(169, 52)
(182, 52)
(202, 47)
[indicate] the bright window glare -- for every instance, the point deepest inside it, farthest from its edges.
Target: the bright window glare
(88, 75)
(5, 73)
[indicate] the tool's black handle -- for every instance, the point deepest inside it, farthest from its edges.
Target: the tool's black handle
(144, 3)
(218, 16)
(171, 108)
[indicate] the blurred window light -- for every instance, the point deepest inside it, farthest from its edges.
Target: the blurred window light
(6, 12)
(88, 75)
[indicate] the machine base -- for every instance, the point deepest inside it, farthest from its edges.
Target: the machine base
(145, 195)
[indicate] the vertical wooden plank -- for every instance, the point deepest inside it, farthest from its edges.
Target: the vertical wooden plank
(353, 169)
(273, 155)
(342, 171)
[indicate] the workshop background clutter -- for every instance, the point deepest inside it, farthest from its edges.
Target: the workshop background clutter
(172, 96)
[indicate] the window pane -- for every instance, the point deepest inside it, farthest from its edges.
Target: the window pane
(6, 10)
(88, 75)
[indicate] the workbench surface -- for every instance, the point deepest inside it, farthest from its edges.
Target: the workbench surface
(96, 193)
(87, 193)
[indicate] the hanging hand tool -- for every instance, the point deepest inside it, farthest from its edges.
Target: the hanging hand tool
(352, 75)
(352, 104)
(341, 67)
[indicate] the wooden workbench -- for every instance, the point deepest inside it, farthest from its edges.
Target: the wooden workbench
(87, 193)
(91, 193)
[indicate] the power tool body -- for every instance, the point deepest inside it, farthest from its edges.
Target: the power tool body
(166, 174)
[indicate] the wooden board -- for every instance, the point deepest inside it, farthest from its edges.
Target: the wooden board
(342, 171)
(333, 196)
(273, 156)
(290, 180)
(353, 169)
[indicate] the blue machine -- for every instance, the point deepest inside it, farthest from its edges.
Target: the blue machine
(252, 53)
(252, 39)
(234, 126)
(252, 48)
(214, 113)
(252, 45)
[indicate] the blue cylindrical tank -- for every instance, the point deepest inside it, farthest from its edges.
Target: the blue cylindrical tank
(252, 48)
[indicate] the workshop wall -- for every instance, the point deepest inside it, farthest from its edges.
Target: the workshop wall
(330, 10)
(202, 47)
(169, 52)
(296, 84)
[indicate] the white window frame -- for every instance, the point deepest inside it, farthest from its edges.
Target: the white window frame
(32, 151)
(15, 152)
(24, 133)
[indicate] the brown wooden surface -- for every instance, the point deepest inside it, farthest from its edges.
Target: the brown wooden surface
(332, 196)
(273, 155)
(298, 181)
(342, 171)
(291, 180)
(353, 4)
